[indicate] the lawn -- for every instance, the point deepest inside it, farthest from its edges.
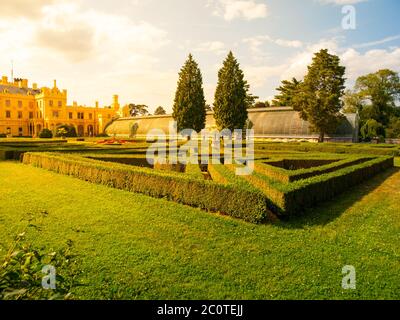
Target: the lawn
(131, 246)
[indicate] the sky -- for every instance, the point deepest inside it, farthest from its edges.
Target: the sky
(135, 48)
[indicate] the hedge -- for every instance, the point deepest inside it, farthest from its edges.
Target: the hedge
(367, 149)
(325, 187)
(292, 198)
(215, 173)
(287, 176)
(194, 171)
(228, 199)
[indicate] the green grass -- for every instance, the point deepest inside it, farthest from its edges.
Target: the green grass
(132, 246)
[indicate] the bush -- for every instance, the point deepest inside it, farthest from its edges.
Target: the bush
(249, 205)
(266, 148)
(21, 272)
(66, 131)
(292, 198)
(287, 176)
(194, 171)
(45, 134)
(3, 135)
(250, 198)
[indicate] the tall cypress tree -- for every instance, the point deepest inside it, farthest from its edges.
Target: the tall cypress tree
(231, 96)
(318, 98)
(189, 109)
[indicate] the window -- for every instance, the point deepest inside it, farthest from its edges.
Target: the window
(8, 103)
(8, 130)
(8, 114)
(55, 114)
(60, 103)
(20, 131)
(81, 115)
(70, 115)
(19, 104)
(31, 115)
(50, 103)
(19, 114)
(90, 116)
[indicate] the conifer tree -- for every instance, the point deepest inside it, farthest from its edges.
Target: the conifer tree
(189, 110)
(318, 98)
(231, 96)
(288, 90)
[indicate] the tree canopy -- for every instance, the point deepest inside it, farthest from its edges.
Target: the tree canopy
(138, 110)
(160, 111)
(189, 110)
(318, 98)
(379, 91)
(288, 91)
(232, 97)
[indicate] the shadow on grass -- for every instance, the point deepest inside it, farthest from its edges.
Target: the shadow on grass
(328, 211)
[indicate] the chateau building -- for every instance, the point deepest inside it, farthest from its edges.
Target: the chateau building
(25, 110)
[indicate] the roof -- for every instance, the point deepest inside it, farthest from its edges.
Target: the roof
(268, 122)
(18, 90)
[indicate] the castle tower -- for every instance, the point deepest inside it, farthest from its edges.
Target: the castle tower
(115, 104)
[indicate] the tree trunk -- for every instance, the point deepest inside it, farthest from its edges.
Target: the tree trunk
(321, 138)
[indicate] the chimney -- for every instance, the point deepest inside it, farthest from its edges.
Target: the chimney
(4, 79)
(24, 83)
(55, 83)
(34, 86)
(75, 104)
(97, 104)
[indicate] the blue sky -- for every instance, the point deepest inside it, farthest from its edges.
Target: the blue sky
(135, 48)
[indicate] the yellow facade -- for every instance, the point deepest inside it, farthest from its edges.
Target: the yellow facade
(25, 111)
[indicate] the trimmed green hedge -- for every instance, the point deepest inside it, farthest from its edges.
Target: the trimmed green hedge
(308, 192)
(288, 199)
(287, 176)
(353, 148)
(194, 171)
(231, 200)
(215, 173)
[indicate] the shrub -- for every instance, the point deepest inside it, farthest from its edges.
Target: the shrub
(21, 272)
(249, 205)
(194, 171)
(45, 134)
(215, 172)
(287, 176)
(66, 131)
(293, 198)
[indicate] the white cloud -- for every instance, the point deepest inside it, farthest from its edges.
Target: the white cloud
(297, 64)
(256, 42)
(23, 8)
(378, 42)
(70, 43)
(238, 9)
(356, 63)
(216, 47)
